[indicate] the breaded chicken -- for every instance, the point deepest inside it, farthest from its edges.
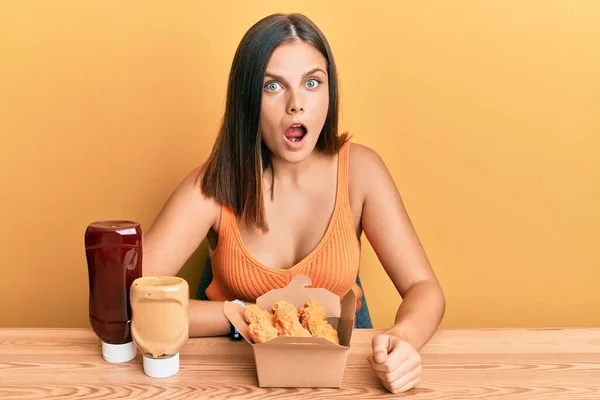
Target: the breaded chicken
(322, 328)
(261, 322)
(253, 313)
(313, 317)
(262, 330)
(311, 310)
(286, 320)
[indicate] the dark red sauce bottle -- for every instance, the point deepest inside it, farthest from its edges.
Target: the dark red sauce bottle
(114, 259)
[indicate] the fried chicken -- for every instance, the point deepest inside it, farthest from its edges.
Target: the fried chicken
(322, 328)
(311, 310)
(253, 313)
(286, 320)
(261, 322)
(313, 317)
(262, 330)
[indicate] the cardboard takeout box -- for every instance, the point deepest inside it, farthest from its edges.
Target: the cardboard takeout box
(287, 361)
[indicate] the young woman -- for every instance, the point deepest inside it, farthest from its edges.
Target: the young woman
(284, 193)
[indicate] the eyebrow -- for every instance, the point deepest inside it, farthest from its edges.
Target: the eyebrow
(281, 78)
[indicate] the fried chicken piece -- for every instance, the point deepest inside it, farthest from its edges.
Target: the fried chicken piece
(322, 328)
(262, 330)
(314, 318)
(253, 313)
(286, 320)
(311, 310)
(261, 322)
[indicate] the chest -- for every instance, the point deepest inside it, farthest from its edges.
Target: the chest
(298, 224)
(299, 221)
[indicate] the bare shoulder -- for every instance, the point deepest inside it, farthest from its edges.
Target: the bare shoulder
(181, 225)
(192, 181)
(188, 204)
(367, 168)
(369, 182)
(189, 194)
(359, 153)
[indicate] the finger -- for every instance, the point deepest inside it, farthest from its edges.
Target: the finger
(397, 357)
(391, 364)
(407, 386)
(403, 373)
(388, 378)
(397, 382)
(381, 345)
(378, 368)
(400, 357)
(384, 377)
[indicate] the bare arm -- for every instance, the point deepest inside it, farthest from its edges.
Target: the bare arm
(176, 233)
(390, 232)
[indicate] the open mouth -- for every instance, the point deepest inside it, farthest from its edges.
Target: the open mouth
(295, 133)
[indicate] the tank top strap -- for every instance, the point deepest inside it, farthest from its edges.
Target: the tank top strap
(343, 175)
(225, 225)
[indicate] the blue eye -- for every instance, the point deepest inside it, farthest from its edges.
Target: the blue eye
(312, 83)
(272, 86)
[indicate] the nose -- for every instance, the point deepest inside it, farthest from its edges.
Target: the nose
(295, 104)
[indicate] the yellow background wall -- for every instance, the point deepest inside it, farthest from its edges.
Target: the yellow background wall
(487, 114)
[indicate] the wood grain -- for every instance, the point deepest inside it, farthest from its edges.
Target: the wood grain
(457, 364)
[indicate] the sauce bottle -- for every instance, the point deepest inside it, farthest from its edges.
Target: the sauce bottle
(159, 323)
(114, 260)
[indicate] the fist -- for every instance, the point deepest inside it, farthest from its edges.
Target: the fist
(396, 363)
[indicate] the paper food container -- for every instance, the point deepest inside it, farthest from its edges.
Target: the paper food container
(287, 361)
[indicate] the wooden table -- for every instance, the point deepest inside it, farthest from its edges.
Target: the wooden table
(457, 364)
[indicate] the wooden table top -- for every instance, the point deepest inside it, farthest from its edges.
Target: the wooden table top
(520, 364)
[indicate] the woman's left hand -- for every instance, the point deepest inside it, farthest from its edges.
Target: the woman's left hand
(396, 362)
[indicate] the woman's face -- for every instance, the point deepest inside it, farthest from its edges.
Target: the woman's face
(295, 101)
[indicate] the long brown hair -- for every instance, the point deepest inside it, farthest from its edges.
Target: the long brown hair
(232, 174)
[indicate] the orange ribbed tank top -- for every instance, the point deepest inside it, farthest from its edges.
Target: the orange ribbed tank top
(332, 264)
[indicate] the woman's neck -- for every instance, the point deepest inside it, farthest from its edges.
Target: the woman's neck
(297, 175)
